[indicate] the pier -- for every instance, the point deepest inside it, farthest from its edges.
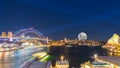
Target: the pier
(113, 60)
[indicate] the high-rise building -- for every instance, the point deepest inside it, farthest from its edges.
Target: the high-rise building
(9, 34)
(3, 35)
(47, 39)
(65, 39)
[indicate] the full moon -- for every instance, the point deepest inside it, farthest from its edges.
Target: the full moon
(82, 36)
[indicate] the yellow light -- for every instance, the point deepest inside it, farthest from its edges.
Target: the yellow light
(62, 57)
(95, 56)
(40, 55)
(114, 39)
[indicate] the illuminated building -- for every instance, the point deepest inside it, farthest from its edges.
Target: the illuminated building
(62, 63)
(65, 39)
(113, 44)
(114, 40)
(9, 34)
(47, 39)
(3, 35)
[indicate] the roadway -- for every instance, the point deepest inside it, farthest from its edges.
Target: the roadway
(13, 59)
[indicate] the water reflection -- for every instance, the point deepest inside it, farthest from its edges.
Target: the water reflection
(13, 59)
(77, 55)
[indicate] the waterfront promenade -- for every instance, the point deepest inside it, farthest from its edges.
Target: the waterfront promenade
(40, 65)
(113, 60)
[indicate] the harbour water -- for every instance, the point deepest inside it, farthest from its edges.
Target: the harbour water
(76, 54)
(15, 58)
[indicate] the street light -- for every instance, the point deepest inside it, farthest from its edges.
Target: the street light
(62, 58)
(95, 56)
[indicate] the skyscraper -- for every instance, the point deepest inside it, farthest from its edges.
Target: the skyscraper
(3, 35)
(9, 34)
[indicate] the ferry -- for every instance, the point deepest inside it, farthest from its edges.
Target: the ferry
(68, 45)
(62, 63)
(96, 64)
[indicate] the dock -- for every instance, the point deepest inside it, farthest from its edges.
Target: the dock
(113, 60)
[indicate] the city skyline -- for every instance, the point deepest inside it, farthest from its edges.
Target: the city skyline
(59, 34)
(59, 19)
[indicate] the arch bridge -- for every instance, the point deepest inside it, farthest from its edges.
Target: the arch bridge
(30, 34)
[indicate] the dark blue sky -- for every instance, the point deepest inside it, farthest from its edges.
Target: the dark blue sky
(62, 18)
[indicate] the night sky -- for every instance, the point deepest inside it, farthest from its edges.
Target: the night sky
(62, 18)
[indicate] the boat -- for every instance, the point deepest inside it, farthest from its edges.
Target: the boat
(68, 45)
(96, 64)
(62, 63)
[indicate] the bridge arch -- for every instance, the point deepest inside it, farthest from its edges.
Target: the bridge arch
(22, 32)
(19, 33)
(39, 36)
